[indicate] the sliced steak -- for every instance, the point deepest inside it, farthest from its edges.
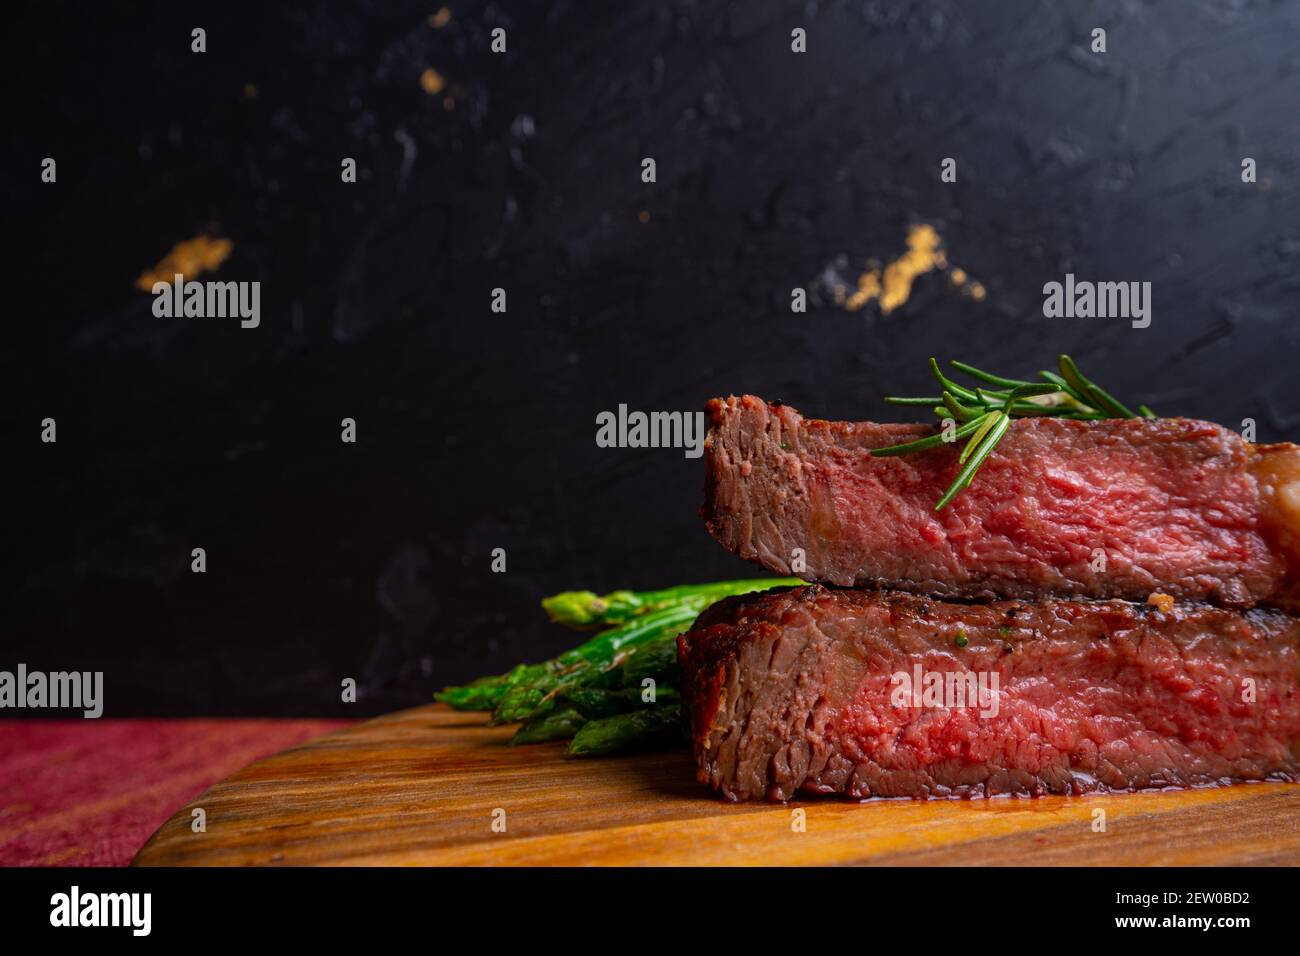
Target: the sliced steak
(801, 690)
(1116, 508)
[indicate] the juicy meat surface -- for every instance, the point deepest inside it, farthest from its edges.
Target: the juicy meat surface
(1116, 508)
(799, 690)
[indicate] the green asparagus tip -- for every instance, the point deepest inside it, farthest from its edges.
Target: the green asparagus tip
(579, 609)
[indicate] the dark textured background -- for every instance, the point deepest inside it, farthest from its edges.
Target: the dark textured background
(476, 430)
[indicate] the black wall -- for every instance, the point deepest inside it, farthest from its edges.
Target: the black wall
(476, 430)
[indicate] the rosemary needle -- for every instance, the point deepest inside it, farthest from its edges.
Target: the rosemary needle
(986, 413)
(990, 420)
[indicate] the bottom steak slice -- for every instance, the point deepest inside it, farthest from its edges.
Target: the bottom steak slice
(876, 694)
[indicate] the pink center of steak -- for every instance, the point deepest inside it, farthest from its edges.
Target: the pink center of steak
(1148, 699)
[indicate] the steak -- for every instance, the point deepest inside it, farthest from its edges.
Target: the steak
(1106, 509)
(835, 691)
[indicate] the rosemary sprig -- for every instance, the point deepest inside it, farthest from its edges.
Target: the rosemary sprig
(985, 413)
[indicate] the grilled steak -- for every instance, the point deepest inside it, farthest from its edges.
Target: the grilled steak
(834, 691)
(1116, 508)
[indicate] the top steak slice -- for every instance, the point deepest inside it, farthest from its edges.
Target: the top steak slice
(1104, 509)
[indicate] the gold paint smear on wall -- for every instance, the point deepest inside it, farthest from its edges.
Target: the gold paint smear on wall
(891, 286)
(431, 81)
(189, 258)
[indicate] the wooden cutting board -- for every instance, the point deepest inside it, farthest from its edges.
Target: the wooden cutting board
(424, 786)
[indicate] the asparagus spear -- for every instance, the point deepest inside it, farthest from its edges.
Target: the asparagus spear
(616, 690)
(519, 684)
(592, 691)
(594, 703)
(651, 725)
(554, 726)
(585, 610)
(486, 692)
(657, 659)
(598, 655)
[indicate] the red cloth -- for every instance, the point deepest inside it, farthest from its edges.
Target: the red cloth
(90, 792)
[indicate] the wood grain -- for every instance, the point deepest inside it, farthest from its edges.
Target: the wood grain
(420, 787)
